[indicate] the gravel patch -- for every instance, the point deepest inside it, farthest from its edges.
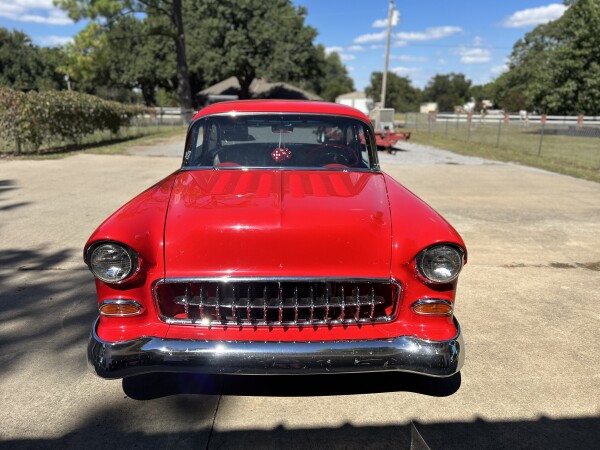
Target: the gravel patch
(171, 147)
(411, 153)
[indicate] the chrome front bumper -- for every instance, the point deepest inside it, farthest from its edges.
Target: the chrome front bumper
(153, 354)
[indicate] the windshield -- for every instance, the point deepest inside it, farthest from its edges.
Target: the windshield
(280, 141)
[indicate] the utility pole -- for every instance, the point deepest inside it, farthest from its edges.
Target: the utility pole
(392, 17)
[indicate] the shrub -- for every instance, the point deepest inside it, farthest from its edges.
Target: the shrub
(33, 118)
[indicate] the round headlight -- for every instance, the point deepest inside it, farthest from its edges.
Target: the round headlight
(112, 262)
(440, 263)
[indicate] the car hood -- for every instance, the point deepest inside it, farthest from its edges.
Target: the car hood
(278, 223)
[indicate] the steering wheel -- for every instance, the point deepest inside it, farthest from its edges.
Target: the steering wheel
(332, 154)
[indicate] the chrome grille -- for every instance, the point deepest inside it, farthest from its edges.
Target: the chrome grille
(276, 302)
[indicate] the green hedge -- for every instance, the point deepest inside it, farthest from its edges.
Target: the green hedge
(34, 118)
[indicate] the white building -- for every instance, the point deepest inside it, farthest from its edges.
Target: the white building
(358, 100)
(426, 108)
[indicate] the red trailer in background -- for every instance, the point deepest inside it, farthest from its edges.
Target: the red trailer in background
(385, 135)
(386, 139)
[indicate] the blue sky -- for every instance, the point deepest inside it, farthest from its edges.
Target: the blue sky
(433, 36)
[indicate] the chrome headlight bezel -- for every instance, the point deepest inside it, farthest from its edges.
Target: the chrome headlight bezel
(430, 252)
(125, 250)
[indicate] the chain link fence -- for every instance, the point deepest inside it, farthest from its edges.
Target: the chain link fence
(571, 140)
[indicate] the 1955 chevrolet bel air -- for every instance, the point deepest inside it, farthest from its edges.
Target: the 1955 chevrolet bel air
(279, 247)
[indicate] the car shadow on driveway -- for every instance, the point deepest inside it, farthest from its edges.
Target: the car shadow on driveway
(44, 312)
(158, 385)
(543, 433)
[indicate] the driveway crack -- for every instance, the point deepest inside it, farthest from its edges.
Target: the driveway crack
(212, 426)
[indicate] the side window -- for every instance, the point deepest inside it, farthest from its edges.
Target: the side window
(212, 138)
(349, 137)
(199, 139)
(364, 147)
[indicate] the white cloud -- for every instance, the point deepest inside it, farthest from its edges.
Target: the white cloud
(39, 4)
(355, 48)
(370, 37)
(380, 23)
(429, 34)
(335, 49)
(535, 16)
(399, 44)
(344, 56)
(408, 58)
(498, 70)
(51, 41)
(442, 61)
(350, 68)
(474, 55)
(405, 70)
(36, 11)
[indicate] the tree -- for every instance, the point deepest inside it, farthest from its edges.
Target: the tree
(556, 66)
(107, 12)
(328, 76)
(400, 95)
(120, 57)
(249, 39)
(508, 91)
(448, 91)
(24, 66)
(51, 58)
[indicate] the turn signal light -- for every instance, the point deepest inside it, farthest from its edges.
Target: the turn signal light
(432, 307)
(120, 308)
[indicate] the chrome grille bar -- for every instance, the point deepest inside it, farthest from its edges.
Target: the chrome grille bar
(265, 305)
(280, 299)
(201, 301)
(217, 304)
(343, 303)
(357, 303)
(312, 303)
(326, 295)
(249, 306)
(297, 302)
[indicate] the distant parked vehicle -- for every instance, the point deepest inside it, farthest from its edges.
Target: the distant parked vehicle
(385, 135)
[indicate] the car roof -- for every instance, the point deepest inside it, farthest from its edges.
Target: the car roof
(281, 106)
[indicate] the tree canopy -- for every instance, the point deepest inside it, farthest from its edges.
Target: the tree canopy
(327, 76)
(132, 41)
(157, 47)
(104, 60)
(448, 90)
(555, 68)
(400, 95)
(168, 22)
(25, 66)
(250, 39)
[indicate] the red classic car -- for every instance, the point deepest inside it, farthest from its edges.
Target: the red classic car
(278, 248)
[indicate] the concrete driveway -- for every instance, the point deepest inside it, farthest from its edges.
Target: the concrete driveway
(528, 304)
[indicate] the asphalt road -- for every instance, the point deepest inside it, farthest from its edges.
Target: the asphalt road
(528, 305)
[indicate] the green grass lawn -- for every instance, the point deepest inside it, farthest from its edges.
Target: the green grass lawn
(102, 142)
(578, 156)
